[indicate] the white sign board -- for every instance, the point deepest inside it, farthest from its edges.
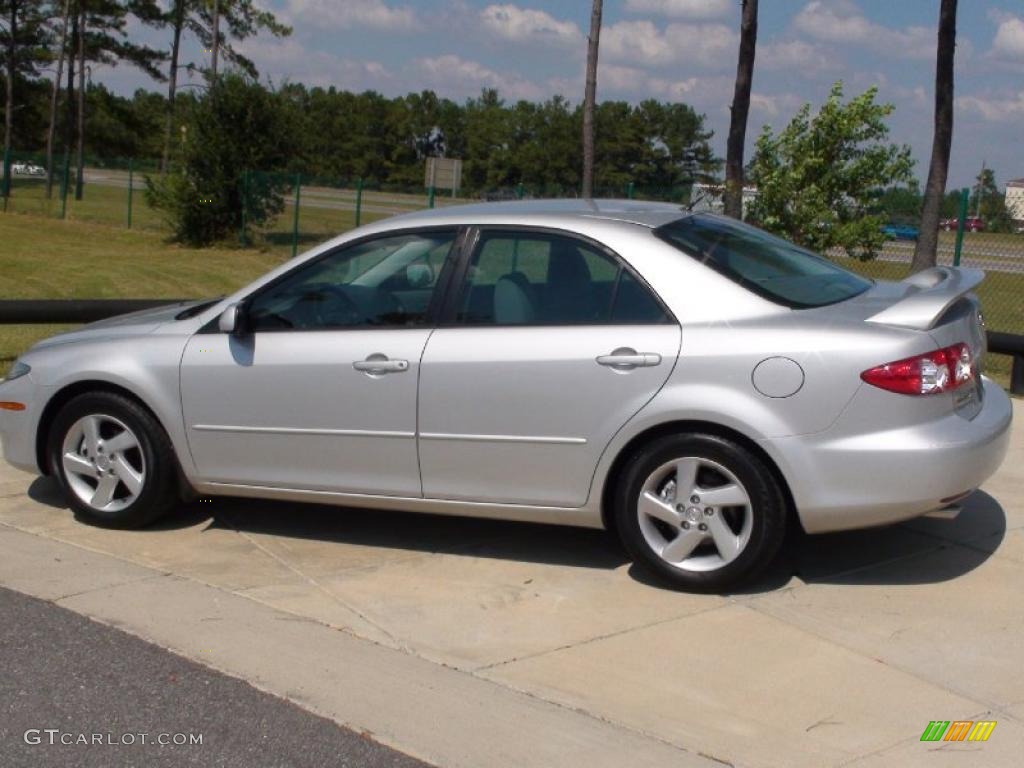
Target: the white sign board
(444, 173)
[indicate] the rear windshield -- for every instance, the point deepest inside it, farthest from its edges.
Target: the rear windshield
(767, 265)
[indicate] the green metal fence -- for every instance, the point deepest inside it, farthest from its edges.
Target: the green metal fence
(314, 209)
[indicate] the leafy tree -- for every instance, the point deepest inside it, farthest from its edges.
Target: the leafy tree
(23, 36)
(340, 136)
(901, 203)
(989, 203)
(816, 178)
(950, 207)
(241, 19)
(486, 159)
(237, 126)
(121, 128)
(203, 19)
(51, 130)
(672, 140)
(99, 35)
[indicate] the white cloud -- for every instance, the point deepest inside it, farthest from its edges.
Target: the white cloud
(525, 25)
(450, 74)
(794, 56)
(994, 108)
(291, 60)
(634, 84)
(841, 21)
(708, 46)
(1009, 39)
(690, 9)
(344, 14)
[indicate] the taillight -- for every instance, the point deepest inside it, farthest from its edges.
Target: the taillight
(940, 371)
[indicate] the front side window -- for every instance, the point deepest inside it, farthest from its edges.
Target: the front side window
(767, 265)
(386, 282)
(521, 278)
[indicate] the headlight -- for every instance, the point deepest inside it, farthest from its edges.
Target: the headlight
(17, 370)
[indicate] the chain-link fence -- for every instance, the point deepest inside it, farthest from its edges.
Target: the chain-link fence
(313, 209)
(1000, 255)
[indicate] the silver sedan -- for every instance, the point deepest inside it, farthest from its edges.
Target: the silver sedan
(687, 381)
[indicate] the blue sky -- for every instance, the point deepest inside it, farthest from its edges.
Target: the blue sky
(679, 50)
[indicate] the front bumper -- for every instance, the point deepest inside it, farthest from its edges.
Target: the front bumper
(18, 428)
(852, 477)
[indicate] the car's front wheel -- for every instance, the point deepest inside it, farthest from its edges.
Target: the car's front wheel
(700, 512)
(113, 460)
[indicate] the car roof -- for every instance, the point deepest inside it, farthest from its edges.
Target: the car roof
(644, 213)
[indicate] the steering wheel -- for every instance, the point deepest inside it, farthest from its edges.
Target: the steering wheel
(323, 305)
(339, 309)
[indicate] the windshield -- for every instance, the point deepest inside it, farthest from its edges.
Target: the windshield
(767, 265)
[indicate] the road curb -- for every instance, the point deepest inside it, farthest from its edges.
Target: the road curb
(435, 713)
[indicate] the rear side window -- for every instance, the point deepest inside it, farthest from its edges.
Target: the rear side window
(766, 265)
(521, 278)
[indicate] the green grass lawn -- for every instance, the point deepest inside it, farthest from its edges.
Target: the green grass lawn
(47, 258)
(91, 255)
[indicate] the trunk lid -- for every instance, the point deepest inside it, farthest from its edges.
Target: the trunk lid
(939, 302)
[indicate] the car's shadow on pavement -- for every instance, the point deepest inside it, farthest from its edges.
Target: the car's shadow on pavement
(890, 555)
(926, 550)
(409, 531)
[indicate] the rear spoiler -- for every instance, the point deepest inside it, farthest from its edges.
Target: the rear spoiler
(931, 293)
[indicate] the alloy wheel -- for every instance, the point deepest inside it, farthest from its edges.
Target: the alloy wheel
(103, 462)
(695, 514)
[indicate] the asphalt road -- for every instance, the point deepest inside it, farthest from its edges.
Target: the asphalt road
(61, 672)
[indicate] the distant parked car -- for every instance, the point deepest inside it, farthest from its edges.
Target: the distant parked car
(28, 169)
(895, 231)
(971, 224)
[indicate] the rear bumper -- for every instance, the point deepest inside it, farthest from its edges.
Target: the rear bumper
(852, 477)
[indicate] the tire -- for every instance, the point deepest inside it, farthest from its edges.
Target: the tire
(731, 504)
(113, 460)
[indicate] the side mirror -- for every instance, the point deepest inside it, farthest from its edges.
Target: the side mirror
(230, 320)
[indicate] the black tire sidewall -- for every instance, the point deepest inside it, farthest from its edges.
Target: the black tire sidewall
(767, 502)
(158, 487)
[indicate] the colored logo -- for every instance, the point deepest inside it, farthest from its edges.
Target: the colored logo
(958, 730)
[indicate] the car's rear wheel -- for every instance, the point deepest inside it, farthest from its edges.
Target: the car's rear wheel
(700, 512)
(113, 460)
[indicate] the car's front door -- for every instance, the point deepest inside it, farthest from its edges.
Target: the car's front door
(549, 347)
(320, 392)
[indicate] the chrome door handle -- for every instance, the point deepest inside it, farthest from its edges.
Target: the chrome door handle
(626, 359)
(378, 364)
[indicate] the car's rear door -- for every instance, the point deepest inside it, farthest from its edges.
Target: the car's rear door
(321, 392)
(549, 344)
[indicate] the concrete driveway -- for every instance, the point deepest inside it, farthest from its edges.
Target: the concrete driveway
(840, 657)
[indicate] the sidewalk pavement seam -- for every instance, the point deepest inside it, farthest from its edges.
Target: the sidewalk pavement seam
(985, 713)
(606, 636)
(295, 696)
(316, 584)
(600, 718)
(154, 577)
(895, 667)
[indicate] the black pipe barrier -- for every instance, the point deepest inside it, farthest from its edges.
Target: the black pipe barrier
(1010, 344)
(28, 311)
